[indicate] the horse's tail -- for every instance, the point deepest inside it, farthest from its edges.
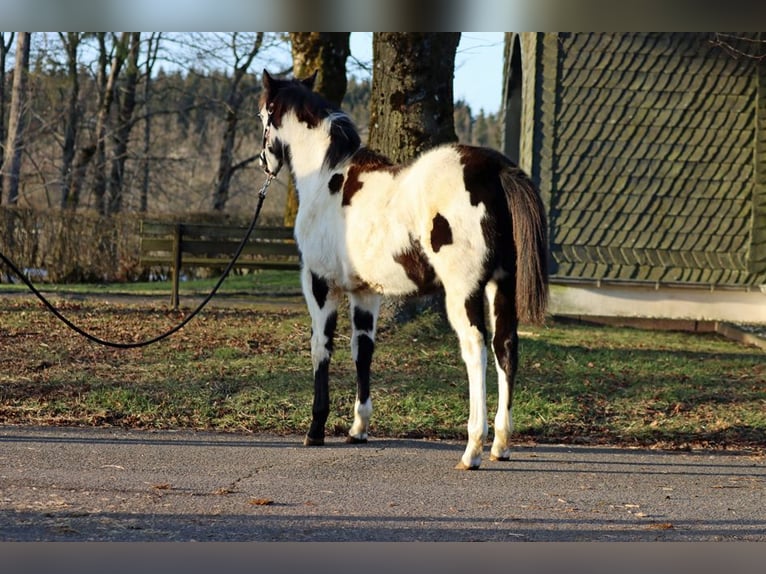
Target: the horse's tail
(530, 236)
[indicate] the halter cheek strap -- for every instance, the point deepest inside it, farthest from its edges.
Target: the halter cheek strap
(266, 131)
(267, 126)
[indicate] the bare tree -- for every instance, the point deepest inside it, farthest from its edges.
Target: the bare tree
(126, 101)
(71, 42)
(233, 103)
(5, 47)
(750, 45)
(106, 80)
(15, 141)
(152, 49)
(324, 53)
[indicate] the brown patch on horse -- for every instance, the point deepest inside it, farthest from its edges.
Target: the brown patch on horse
(417, 267)
(364, 160)
(481, 169)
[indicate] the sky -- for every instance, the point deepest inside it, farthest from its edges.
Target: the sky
(478, 67)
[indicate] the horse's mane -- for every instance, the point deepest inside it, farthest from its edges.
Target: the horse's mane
(344, 139)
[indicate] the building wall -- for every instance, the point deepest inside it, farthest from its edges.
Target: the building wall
(757, 260)
(649, 150)
(651, 158)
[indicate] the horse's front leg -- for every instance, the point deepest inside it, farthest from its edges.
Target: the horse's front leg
(322, 303)
(364, 318)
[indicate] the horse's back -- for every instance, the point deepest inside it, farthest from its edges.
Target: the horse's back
(441, 219)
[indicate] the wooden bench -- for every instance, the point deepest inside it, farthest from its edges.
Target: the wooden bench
(180, 245)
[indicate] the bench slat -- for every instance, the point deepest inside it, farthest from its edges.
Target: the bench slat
(197, 247)
(249, 263)
(236, 233)
(212, 248)
(195, 230)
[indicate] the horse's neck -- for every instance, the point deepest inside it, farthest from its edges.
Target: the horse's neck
(311, 186)
(316, 212)
(307, 155)
(312, 179)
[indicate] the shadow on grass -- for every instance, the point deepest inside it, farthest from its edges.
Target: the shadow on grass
(645, 396)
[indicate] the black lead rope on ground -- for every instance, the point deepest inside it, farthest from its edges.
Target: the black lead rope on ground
(166, 334)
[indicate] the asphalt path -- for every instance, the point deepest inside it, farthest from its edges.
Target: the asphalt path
(65, 484)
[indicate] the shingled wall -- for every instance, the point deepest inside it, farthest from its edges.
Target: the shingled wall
(650, 150)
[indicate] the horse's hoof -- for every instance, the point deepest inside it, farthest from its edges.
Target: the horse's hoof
(463, 466)
(308, 441)
(355, 440)
(496, 458)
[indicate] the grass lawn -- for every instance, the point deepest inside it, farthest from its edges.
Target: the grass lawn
(261, 281)
(249, 369)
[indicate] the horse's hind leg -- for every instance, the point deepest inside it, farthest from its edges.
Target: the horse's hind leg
(323, 307)
(467, 319)
(505, 343)
(364, 317)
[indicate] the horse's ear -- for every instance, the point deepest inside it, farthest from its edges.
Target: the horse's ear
(309, 82)
(268, 81)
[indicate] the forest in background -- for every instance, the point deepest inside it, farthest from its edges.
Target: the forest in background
(163, 133)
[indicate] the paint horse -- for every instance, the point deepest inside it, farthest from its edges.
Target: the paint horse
(459, 218)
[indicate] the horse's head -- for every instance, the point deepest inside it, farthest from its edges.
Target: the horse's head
(291, 112)
(278, 98)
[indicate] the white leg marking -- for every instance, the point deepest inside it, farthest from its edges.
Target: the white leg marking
(362, 414)
(475, 357)
(364, 317)
(474, 354)
(501, 444)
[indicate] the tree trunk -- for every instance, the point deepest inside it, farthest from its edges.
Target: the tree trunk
(324, 53)
(126, 104)
(5, 46)
(106, 86)
(82, 159)
(411, 110)
(151, 57)
(411, 107)
(16, 113)
(71, 41)
(226, 166)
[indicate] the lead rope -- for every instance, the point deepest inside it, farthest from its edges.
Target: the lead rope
(182, 324)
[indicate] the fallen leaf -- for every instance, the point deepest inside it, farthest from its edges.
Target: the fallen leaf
(661, 526)
(260, 501)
